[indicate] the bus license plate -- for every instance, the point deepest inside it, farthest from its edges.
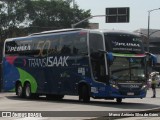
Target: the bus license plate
(130, 93)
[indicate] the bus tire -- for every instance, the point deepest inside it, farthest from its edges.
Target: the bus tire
(27, 90)
(119, 100)
(84, 94)
(19, 90)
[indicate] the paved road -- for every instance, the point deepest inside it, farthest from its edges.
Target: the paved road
(151, 108)
(155, 110)
(10, 102)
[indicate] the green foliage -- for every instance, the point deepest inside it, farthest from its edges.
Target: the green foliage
(19, 17)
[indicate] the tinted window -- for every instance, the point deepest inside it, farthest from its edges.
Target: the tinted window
(73, 44)
(95, 42)
(126, 43)
(18, 47)
(41, 46)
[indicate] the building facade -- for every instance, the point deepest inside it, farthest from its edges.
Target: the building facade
(154, 43)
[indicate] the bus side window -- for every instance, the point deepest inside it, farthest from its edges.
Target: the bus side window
(65, 49)
(79, 45)
(55, 48)
(75, 50)
(18, 48)
(65, 44)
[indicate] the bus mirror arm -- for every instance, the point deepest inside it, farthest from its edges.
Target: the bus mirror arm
(147, 53)
(151, 58)
(102, 51)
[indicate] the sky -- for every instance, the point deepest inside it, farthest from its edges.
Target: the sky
(138, 13)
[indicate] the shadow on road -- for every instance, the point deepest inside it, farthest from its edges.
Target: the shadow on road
(134, 104)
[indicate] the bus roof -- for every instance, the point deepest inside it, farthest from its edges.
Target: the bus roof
(72, 30)
(56, 31)
(113, 31)
(45, 32)
(78, 29)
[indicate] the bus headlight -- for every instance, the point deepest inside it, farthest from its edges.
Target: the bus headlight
(144, 87)
(115, 86)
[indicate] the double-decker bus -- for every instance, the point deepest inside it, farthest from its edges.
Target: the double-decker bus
(104, 64)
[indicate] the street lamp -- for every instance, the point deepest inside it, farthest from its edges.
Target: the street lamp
(148, 35)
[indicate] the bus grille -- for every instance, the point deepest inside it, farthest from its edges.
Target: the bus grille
(126, 88)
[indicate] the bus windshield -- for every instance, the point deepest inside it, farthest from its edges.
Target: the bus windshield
(126, 43)
(127, 69)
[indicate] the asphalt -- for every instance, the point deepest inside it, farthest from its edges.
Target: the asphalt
(153, 113)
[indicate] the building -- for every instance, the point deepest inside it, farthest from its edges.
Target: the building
(94, 25)
(154, 42)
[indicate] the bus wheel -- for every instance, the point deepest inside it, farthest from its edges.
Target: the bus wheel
(27, 90)
(84, 94)
(119, 100)
(19, 90)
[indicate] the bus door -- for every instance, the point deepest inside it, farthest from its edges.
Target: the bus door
(97, 57)
(51, 80)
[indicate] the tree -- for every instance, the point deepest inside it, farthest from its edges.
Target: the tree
(12, 17)
(56, 14)
(19, 17)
